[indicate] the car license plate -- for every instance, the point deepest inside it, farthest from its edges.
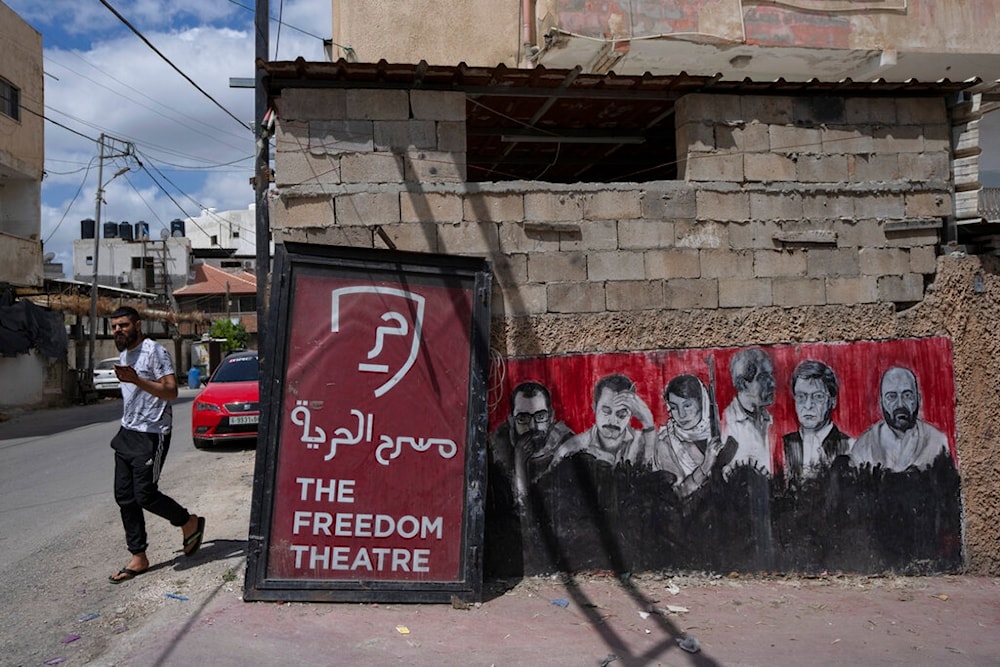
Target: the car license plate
(249, 419)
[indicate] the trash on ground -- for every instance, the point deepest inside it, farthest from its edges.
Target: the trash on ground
(177, 597)
(402, 629)
(458, 603)
(689, 644)
(88, 617)
(644, 615)
(673, 588)
(561, 602)
(71, 638)
(54, 661)
(677, 609)
(609, 659)
(942, 597)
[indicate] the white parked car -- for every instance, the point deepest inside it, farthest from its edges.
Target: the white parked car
(105, 380)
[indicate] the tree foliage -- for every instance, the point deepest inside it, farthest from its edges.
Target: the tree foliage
(235, 336)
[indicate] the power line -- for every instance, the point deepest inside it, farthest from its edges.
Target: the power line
(138, 34)
(55, 122)
(72, 201)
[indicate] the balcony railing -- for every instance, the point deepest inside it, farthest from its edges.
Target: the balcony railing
(989, 204)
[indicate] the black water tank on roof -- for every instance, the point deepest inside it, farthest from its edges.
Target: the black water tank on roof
(87, 228)
(110, 230)
(125, 231)
(177, 227)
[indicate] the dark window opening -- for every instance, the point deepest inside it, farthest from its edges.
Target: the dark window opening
(10, 100)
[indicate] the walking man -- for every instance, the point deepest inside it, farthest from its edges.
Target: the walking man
(148, 384)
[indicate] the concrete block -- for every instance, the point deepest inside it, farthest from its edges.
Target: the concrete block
(435, 167)
(925, 166)
(367, 208)
(672, 263)
(907, 288)
(884, 206)
(878, 168)
(827, 206)
(738, 293)
(437, 105)
(822, 169)
(515, 237)
(723, 206)
(899, 139)
(377, 104)
(496, 207)
(937, 138)
(592, 235)
(928, 204)
(451, 136)
(760, 234)
(401, 135)
(336, 137)
(291, 135)
(915, 237)
(818, 110)
(923, 259)
(830, 262)
(430, 207)
(701, 234)
(775, 206)
(687, 293)
(312, 104)
(870, 111)
(675, 203)
(468, 238)
(575, 297)
(768, 167)
(612, 205)
(849, 291)
(793, 139)
(779, 263)
(883, 261)
(726, 167)
(766, 109)
(354, 237)
(548, 206)
(698, 136)
(743, 138)
(515, 300)
(511, 269)
(643, 234)
(628, 295)
(859, 233)
(411, 237)
(556, 267)
(847, 140)
(921, 110)
(298, 167)
(698, 107)
(717, 263)
(615, 266)
(371, 168)
(793, 292)
(302, 212)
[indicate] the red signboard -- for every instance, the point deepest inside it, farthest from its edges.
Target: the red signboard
(371, 420)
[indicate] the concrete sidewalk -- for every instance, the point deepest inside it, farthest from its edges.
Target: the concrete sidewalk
(598, 620)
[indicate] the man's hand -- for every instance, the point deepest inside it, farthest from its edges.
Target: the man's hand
(631, 401)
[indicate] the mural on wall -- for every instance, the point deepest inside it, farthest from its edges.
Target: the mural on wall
(813, 457)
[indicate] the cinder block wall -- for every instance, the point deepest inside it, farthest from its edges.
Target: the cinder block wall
(794, 219)
(783, 201)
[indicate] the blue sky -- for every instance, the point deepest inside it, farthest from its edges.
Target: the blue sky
(102, 78)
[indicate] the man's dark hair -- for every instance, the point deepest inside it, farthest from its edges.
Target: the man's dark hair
(816, 370)
(744, 366)
(530, 390)
(616, 383)
(125, 311)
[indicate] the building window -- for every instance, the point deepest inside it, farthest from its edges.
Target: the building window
(214, 240)
(10, 100)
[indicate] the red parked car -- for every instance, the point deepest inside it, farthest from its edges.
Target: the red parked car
(228, 408)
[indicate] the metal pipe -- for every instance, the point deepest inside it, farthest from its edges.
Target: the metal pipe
(97, 247)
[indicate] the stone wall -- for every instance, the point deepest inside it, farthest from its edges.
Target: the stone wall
(797, 219)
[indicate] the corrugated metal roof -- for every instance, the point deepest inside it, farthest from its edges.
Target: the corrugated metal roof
(564, 125)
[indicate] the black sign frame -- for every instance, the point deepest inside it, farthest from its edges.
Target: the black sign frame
(291, 259)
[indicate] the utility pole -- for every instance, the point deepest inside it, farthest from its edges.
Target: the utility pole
(262, 174)
(118, 148)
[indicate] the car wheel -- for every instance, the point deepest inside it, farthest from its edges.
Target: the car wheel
(200, 443)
